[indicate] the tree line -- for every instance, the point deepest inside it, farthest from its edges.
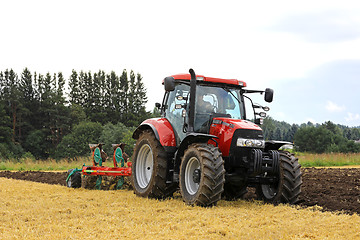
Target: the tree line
(48, 115)
(315, 138)
(36, 111)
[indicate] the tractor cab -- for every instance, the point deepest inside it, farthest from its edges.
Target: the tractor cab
(211, 101)
(215, 98)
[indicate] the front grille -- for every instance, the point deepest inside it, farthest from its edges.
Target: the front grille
(240, 157)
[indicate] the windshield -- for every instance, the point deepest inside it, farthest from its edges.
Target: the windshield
(210, 99)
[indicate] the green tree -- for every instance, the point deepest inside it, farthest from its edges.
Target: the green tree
(277, 134)
(77, 142)
(312, 139)
(115, 134)
(60, 124)
(36, 144)
(136, 101)
(28, 105)
(155, 113)
(114, 108)
(12, 96)
(5, 125)
(289, 136)
(75, 92)
(268, 127)
(123, 96)
(96, 110)
(77, 114)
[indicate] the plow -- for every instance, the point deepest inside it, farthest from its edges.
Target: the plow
(98, 176)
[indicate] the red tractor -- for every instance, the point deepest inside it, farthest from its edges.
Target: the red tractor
(204, 145)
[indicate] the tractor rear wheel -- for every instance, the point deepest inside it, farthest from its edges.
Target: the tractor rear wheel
(202, 175)
(288, 188)
(149, 168)
(74, 180)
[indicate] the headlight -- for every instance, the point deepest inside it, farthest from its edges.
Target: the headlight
(242, 142)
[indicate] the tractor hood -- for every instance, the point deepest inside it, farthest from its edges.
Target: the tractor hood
(225, 128)
(236, 123)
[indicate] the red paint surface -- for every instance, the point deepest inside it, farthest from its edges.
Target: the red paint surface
(107, 171)
(210, 79)
(226, 131)
(164, 129)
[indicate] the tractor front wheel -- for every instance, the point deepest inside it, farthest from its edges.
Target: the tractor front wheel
(149, 168)
(202, 175)
(288, 187)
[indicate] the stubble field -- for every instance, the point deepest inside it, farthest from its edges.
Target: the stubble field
(30, 210)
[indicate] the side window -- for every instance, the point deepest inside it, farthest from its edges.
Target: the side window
(249, 113)
(231, 107)
(174, 110)
(177, 99)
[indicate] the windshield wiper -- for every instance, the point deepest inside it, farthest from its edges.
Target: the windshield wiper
(228, 90)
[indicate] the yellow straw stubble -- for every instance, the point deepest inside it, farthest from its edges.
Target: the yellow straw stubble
(39, 211)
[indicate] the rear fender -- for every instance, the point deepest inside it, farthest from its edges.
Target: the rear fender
(162, 130)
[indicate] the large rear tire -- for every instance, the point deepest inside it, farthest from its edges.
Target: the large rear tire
(202, 175)
(288, 188)
(149, 168)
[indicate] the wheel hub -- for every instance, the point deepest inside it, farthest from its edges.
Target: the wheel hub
(196, 175)
(192, 175)
(144, 166)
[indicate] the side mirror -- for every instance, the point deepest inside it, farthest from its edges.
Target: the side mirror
(269, 93)
(262, 114)
(169, 84)
(158, 105)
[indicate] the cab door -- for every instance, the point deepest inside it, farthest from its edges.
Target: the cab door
(176, 103)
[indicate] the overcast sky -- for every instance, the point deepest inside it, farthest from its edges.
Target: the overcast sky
(307, 51)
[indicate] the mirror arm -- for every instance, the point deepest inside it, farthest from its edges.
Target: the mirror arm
(253, 91)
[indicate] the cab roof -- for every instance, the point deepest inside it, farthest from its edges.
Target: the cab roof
(210, 79)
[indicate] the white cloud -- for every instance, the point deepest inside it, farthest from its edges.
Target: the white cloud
(333, 107)
(352, 117)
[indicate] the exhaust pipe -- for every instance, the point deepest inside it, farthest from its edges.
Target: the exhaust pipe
(192, 101)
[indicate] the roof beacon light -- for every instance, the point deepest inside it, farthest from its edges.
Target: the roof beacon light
(200, 78)
(241, 83)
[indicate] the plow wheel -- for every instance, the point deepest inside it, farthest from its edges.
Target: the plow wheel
(288, 188)
(74, 180)
(202, 175)
(149, 168)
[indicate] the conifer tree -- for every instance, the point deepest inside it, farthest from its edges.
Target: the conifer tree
(74, 94)
(5, 125)
(12, 96)
(28, 106)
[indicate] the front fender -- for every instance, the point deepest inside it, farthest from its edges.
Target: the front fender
(275, 145)
(190, 139)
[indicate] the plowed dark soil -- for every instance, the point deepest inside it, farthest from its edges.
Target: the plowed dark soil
(333, 189)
